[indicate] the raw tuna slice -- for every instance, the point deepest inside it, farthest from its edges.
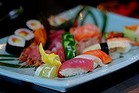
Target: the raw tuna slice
(75, 66)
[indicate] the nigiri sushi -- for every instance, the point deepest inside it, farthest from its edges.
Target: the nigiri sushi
(113, 47)
(75, 66)
(110, 47)
(125, 40)
(85, 36)
(97, 61)
(100, 54)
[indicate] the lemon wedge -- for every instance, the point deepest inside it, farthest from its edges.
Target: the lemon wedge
(47, 71)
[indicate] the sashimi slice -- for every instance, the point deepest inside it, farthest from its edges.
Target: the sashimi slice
(86, 31)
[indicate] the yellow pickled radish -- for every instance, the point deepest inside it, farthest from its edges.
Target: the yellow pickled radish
(43, 54)
(47, 71)
(52, 58)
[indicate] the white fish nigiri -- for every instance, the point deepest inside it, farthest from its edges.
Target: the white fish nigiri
(113, 46)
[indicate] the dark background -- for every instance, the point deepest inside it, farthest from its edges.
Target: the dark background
(7, 25)
(33, 9)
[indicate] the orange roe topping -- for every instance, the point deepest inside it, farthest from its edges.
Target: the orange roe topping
(133, 28)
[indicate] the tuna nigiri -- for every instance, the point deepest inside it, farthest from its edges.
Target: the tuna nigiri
(75, 66)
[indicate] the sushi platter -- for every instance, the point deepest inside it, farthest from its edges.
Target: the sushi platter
(127, 51)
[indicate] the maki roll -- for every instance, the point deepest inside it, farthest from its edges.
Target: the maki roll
(15, 45)
(34, 24)
(25, 33)
(132, 32)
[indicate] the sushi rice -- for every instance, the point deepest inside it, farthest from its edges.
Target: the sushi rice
(34, 24)
(24, 33)
(16, 41)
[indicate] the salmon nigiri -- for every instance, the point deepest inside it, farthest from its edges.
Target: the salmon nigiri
(75, 66)
(85, 36)
(100, 54)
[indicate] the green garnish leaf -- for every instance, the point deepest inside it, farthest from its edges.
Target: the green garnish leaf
(7, 55)
(14, 65)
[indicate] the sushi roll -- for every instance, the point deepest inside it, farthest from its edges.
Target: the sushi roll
(25, 33)
(15, 45)
(34, 24)
(132, 32)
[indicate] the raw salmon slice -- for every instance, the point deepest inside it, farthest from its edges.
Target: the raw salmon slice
(102, 55)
